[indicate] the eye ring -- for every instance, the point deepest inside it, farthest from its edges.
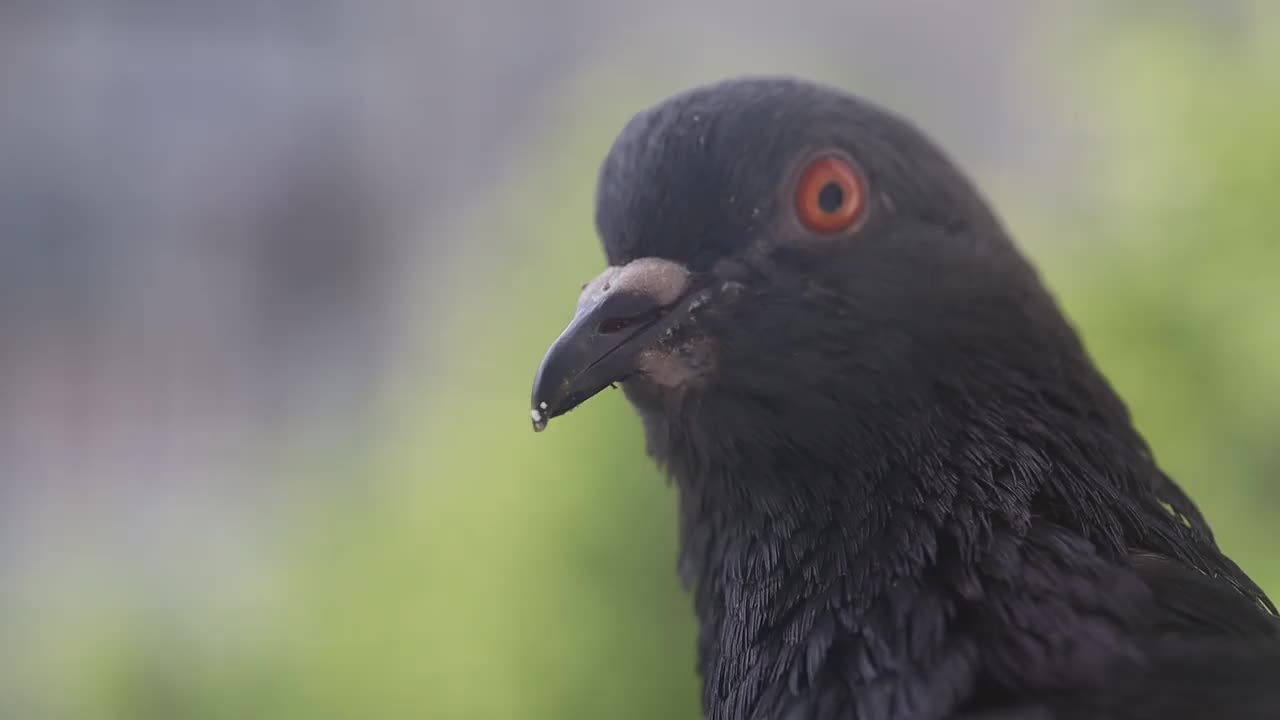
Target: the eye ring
(829, 195)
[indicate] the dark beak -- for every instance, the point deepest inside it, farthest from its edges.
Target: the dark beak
(620, 313)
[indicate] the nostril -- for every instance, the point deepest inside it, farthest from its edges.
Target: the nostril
(618, 323)
(613, 325)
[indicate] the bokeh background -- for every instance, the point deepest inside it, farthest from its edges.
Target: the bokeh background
(275, 277)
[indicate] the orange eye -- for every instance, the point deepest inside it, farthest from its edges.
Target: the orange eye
(829, 195)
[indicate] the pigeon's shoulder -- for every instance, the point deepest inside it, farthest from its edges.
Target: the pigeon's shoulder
(1191, 602)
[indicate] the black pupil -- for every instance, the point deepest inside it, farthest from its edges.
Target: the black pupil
(830, 197)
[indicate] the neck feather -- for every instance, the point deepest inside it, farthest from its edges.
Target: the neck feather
(794, 528)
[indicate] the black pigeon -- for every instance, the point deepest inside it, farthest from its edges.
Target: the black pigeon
(905, 491)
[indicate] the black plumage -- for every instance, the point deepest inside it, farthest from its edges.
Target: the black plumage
(905, 490)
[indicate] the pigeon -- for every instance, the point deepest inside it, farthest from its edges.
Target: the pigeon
(904, 488)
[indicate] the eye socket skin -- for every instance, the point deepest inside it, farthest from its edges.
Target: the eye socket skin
(829, 195)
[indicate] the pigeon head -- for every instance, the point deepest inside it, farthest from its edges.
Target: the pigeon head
(786, 256)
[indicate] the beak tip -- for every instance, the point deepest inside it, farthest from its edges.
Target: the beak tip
(539, 417)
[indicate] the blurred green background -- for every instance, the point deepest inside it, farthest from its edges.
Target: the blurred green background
(423, 554)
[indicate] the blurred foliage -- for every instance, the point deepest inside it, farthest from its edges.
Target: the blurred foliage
(479, 571)
(1169, 266)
